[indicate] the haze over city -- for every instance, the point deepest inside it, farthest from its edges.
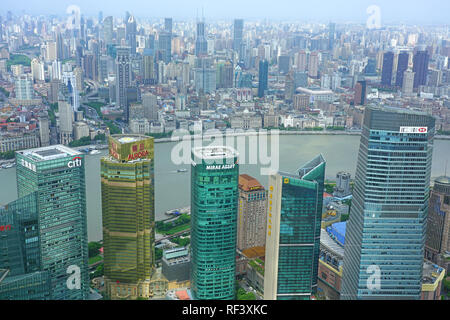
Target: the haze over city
(398, 11)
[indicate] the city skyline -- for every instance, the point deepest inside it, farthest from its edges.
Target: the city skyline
(432, 12)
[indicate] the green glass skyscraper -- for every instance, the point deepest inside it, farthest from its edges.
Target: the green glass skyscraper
(293, 232)
(57, 175)
(214, 208)
(20, 252)
(384, 245)
(127, 182)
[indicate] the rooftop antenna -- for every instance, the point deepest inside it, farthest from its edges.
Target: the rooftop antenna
(446, 163)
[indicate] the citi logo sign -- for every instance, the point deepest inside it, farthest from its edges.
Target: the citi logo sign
(75, 163)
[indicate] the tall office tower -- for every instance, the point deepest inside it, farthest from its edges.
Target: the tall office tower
(150, 105)
(437, 245)
(360, 93)
(130, 33)
(408, 83)
(165, 46)
(225, 73)
(44, 130)
(21, 256)
(252, 216)
(168, 23)
(214, 200)
(123, 77)
(263, 84)
(388, 65)
(108, 30)
(66, 115)
(201, 44)
(24, 87)
(420, 67)
(402, 66)
(57, 175)
(331, 35)
(238, 30)
(148, 66)
(127, 185)
(204, 75)
(284, 64)
(59, 46)
(384, 245)
(313, 65)
(293, 232)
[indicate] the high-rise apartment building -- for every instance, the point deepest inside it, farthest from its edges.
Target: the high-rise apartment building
(293, 232)
(385, 238)
(57, 175)
(128, 214)
(408, 83)
(252, 216)
(214, 208)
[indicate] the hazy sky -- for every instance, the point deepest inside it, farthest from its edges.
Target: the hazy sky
(397, 11)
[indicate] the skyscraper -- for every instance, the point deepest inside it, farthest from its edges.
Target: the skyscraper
(252, 217)
(238, 30)
(128, 214)
(131, 32)
(57, 175)
(263, 78)
(402, 66)
(21, 255)
(384, 246)
(214, 200)
(123, 77)
(388, 64)
(360, 93)
(313, 65)
(108, 31)
(437, 246)
(420, 67)
(293, 232)
(408, 83)
(201, 45)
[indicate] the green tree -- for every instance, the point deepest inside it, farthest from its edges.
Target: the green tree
(94, 249)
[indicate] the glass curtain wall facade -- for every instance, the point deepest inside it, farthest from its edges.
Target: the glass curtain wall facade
(293, 232)
(127, 184)
(20, 252)
(57, 175)
(384, 246)
(214, 208)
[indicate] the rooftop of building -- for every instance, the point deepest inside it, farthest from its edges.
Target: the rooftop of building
(49, 153)
(129, 138)
(248, 183)
(214, 152)
(254, 252)
(327, 241)
(442, 180)
(431, 273)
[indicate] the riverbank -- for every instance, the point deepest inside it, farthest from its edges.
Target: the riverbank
(280, 132)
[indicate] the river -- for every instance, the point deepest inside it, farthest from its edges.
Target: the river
(172, 189)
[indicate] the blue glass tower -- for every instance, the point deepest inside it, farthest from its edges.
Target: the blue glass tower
(385, 239)
(293, 232)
